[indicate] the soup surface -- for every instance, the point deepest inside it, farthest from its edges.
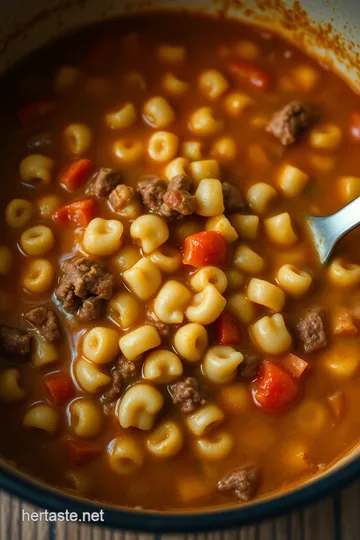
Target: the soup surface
(169, 339)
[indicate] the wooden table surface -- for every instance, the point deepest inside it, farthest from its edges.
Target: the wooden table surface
(336, 518)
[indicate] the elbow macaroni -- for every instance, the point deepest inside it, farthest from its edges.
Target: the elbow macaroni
(162, 366)
(222, 225)
(125, 455)
(279, 229)
(143, 278)
(344, 274)
(102, 237)
(212, 84)
(151, 231)
(86, 418)
(216, 447)
(163, 146)
(209, 200)
(247, 260)
(42, 416)
(158, 113)
(89, 377)
(167, 259)
(37, 240)
(246, 226)
(166, 440)
(128, 309)
(266, 294)
(259, 197)
(38, 276)
(271, 335)
(122, 118)
(191, 341)
(206, 306)
(220, 364)
(208, 275)
(204, 419)
(10, 389)
(18, 213)
(36, 168)
(78, 139)
(203, 122)
(295, 282)
(171, 302)
(100, 345)
(139, 407)
(140, 340)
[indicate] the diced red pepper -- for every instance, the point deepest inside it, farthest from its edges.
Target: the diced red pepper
(274, 387)
(60, 387)
(355, 126)
(294, 365)
(205, 248)
(80, 453)
(33, 112)
(251, 74)
(77, 174)
(77, 214)
(228, 331)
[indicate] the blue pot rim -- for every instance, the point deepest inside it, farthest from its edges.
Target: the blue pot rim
(180, 522)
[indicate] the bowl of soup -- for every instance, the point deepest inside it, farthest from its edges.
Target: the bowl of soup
(171, 346)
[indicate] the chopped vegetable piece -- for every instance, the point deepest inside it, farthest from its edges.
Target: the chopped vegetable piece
(343, 322)
(33, 112)
(355, 126)
(337, 404)
(274, 387)
(228, 331)
(79, 452)
(294, 365)
(76, 174)
(250, 73)
(78, 214)
(60, 387)
(205, 248)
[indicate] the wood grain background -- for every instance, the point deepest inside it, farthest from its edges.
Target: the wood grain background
(336, 518)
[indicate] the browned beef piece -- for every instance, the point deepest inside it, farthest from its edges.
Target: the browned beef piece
(187, 395)
(45, 320)
(311, 329)
(15, 343)
(152, 190)
(163, 329)
(104, 182)
(123, 370)
(83, 287)
(181, 202)
(41, 142)
(233, 199)
(249, 367)
(121, 196)
(291, 122)
(171, 200)
(180, 182)
(242, 482)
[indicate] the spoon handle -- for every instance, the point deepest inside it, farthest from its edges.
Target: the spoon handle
(328, 230)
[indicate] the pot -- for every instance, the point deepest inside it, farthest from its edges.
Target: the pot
(325, 28)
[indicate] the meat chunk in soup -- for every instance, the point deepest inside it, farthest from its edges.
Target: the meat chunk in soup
(83, 287)
(187, 395)
(121, 196)
(171, 200)
(15, 343)
(249, 367)
(311, 329)
(46, 321)
(233, 199)
(290, 123)
(242, 482)
(123, 371)
(104, 182)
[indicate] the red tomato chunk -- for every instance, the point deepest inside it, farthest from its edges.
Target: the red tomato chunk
(33, 112)
(274, 388)
(77, 174)
(228, 331)
(78, 214)
(205, 248)
(60, 387)
(80, 453)
(251, 74)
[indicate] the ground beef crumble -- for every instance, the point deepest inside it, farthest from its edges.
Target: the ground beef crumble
(187, 394)
(46, 321)
(15, 343)
(242, 482)
(289, 123)
(83, 287)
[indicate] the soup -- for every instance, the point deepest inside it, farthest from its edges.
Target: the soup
(169, 339)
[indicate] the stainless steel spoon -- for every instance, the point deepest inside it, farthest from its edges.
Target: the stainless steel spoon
(326, 231)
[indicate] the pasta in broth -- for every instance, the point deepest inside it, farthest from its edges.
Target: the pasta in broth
(158, 295)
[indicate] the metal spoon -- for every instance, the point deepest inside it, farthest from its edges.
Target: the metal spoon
(326, 231)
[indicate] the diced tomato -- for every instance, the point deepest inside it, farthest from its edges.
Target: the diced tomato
(77, 214)
(274, 387)
(251, 74)
(228, 331)
(33, 112)
(205, 248)
(337, 404)
(79, 452)
(294, 365)
(60, 387)
(77, 174)
(355, 126)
